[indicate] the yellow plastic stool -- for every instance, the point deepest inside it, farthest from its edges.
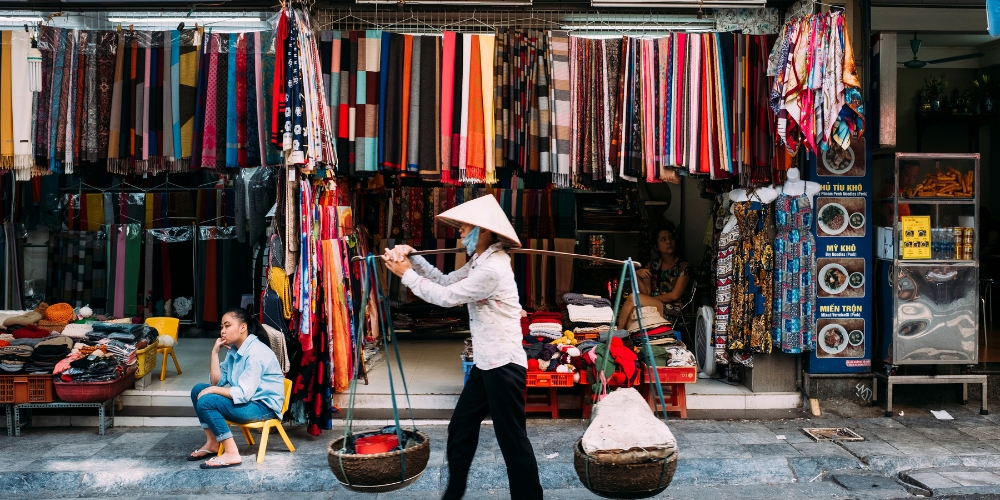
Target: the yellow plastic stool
(168, 327)
(265, 427)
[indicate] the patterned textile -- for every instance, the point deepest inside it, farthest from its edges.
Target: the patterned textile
(793, 326)
(367, 103)
(77, 273)
(559, 98)
(749, 21)
(724, 292)
(752, 302)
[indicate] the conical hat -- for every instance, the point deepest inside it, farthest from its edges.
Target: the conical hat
(486, 213)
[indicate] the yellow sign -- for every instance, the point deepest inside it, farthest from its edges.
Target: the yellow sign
(916, 237)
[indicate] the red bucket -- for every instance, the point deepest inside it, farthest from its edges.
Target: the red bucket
(380, 443)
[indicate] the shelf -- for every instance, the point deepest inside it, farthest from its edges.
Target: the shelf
(595, 231)
(937, 201)
(657, 203)
(935, 261)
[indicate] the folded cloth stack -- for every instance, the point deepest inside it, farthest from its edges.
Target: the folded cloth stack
(47, 354)
(124, 353)
(77, 331)
(579, 299)
(97, 367)
(545, 324)
(552, 358)
(51, 326)
(13, 358)
(590, 314)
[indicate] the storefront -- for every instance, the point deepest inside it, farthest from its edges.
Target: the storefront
(244, 163)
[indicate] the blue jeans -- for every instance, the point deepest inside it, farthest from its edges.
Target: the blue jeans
(214, 410)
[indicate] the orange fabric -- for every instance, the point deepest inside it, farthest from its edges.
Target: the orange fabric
(59, 313)
(476, 160)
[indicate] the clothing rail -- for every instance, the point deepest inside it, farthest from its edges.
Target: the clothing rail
(434, 20)
(528, 251)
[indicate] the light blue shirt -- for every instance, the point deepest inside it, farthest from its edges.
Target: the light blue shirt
(253, 374)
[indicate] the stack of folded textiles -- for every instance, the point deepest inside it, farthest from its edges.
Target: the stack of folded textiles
(13, 358)
(47, 354)
(590, 316)
(545, 324)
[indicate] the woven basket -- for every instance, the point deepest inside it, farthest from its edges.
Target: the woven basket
(641, 480)
(379, 472)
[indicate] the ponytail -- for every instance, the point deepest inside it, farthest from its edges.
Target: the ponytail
(253, 326)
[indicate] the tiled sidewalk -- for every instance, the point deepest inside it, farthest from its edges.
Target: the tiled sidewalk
(762, 459)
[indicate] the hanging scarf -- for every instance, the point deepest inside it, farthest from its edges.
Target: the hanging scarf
(6, 105)
(559, 97)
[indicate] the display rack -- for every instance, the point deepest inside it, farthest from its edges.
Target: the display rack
(930, 302)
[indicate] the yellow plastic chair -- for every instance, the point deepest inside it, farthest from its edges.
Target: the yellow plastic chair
(265, 427)
(168, 327)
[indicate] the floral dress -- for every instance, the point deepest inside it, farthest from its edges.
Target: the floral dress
(664, 281)
(793, 324)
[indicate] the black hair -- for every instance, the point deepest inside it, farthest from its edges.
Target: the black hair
(253, 326)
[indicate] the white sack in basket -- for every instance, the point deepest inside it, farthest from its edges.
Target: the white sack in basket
(623, 421)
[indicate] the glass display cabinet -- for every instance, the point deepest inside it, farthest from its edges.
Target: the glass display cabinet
(929, 268)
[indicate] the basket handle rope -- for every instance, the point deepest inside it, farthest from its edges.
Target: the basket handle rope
(628, 270)
(370, 279)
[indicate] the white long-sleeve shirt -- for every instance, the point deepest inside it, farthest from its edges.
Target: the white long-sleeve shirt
(486, 284)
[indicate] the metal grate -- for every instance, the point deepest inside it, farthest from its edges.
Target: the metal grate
(832, 434)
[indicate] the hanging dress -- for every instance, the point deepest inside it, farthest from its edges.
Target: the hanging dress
(751, 306)
(793, 326)
(724, 292)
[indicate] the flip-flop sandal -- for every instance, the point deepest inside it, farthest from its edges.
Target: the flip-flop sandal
(202, 453)
(221, 464)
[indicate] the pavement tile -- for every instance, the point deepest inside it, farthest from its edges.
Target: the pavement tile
(821, 449)
(943, 433)
(972, 478)
(928, 448)
(983, 432)
(76, 451)
(733, 471)
(722, 451)
(772, 450)
(766, 437)
(864, 449)
(970, 447)
(705, 438)
(869, 483)
(930, 480)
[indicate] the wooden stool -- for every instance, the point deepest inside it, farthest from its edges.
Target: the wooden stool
(547, 403)
(673, 379)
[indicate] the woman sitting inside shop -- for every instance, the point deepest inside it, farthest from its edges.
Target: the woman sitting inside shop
(256, 388)
(662, 283)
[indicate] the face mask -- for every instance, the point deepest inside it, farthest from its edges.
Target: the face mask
(471, 240)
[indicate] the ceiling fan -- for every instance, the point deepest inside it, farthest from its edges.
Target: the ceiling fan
(917, 63)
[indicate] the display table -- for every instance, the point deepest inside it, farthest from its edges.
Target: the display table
(673, 379)
(965, 380)
(102, 421)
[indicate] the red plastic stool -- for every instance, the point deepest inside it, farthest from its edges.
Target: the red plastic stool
(542, 403)
(673, 379)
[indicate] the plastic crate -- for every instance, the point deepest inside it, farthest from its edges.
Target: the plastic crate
(467, 369)
(146, 360)
(547, 379)
(26, 389)
(580, 337)
(93, 392)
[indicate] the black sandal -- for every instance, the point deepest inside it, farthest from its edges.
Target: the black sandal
(216, 460)
(202, 453)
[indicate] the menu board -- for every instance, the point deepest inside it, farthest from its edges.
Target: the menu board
(843, 232)
(915, 236)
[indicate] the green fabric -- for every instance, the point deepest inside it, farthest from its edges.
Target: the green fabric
(659, 355)
(600, 352)
(133, 247)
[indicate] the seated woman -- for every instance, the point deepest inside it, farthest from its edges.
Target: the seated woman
(662, 283)
(256, 388)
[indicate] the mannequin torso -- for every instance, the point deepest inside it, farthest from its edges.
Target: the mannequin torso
(795, 186)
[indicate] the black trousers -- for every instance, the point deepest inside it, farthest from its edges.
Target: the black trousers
(498, 392)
